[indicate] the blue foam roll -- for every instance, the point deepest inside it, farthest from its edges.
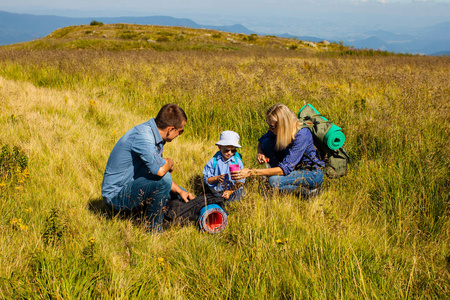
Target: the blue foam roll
(213, 219)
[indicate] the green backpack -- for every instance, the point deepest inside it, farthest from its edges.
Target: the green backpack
(329, 140)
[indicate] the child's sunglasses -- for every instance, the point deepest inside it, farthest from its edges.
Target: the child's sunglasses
(229, 150)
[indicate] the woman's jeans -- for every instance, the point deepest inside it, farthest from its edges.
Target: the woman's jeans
(302, 181)
(152, 190)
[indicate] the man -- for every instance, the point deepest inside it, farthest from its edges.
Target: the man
(136, 172)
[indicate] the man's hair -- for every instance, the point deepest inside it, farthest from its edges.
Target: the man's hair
(170, 115)
(286, 124)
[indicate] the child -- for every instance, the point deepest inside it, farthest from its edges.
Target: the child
(216, 173)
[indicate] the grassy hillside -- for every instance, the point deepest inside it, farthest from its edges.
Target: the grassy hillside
(128, 36)
(381, 232)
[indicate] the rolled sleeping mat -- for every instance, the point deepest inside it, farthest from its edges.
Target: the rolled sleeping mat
(213, 219)
(330, 133)
(334, 138)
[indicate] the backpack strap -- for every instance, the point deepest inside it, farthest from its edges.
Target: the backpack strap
(311, 160)
(310, 121)
(308, 124)
(215, 159)
(238, 156)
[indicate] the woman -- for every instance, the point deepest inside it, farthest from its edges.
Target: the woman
(289, 149)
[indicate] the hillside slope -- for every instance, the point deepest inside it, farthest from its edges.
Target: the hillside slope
(131, 36)
(15, 28)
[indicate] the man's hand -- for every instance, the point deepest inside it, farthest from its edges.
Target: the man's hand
(186, 196)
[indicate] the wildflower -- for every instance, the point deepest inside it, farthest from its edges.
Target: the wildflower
(16, 223)
(89, 250)
(23, 227)
(26, 173)
(160, 261)
(28, 210)
(19, 188)
(2, 184)
(282, 241)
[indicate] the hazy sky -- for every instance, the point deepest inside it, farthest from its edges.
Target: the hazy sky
(271, 16)
(228, 7)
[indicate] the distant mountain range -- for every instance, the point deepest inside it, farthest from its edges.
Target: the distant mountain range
(433, 40)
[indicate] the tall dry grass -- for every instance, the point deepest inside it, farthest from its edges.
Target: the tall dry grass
(380, 232)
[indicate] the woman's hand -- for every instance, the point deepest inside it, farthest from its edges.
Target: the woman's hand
(261, 158)
(241, 174)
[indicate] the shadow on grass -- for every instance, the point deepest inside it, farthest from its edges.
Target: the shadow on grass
(197, 185)
(99, 208)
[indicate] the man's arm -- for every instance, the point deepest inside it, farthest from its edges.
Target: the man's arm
(167, 167)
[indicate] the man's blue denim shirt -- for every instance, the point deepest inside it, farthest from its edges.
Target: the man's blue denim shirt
(137, 154)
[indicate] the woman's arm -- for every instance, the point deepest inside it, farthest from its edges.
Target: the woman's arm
(246, 172)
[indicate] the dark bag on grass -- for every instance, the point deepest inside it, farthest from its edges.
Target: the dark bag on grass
(182, 213)
(329, 140)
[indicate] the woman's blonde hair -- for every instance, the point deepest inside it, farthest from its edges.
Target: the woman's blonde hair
(286, 124)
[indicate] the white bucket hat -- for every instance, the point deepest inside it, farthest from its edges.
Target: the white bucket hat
(229, 138)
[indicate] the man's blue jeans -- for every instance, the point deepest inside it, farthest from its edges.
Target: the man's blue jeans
(297, 181)
(152, 190)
